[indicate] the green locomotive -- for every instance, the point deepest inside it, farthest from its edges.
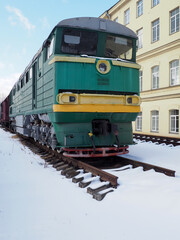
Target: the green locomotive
(80, 92)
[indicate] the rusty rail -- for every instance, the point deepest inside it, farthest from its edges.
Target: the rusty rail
(104, 176)
(159, 139)
(147, 166)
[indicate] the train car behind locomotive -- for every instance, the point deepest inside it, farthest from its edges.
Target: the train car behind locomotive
(4, 112)
(80, 92)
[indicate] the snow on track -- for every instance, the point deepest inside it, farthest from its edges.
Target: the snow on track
(36, 202)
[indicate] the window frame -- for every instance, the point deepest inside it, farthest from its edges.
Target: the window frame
(176, 16)
(139, 122)
(139, 8)
(155, 121)
(156, 36)
(176, 69)
(155, 76)
(127, 16)
(140, 80)
(174, 117)
(155, 3)
(140, 38)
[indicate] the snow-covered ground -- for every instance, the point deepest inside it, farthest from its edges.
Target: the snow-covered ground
(37, 203)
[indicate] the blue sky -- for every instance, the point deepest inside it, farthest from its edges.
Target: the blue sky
(24, 25)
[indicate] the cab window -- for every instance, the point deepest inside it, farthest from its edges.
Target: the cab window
(79, 42)
(119, 47)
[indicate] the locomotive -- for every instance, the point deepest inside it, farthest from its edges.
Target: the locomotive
(80, 92)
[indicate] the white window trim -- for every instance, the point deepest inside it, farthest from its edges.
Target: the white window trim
(139, 122)
(140, 80)
(156, 3)
(155, 120)
(157, 31)
(174, 117)
(139, 8)
(175, 17)
(127, 16)
(176, 70)
(140, 38)
(155, 76)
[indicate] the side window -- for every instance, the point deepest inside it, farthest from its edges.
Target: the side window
(18, 86)
(27, 77)
(30, 73)
(14, 90)
(40, 61)
(22, 82)
(50, 48)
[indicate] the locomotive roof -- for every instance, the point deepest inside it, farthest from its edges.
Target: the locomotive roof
(97, 24)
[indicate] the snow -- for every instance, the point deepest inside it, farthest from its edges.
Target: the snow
(37, 202)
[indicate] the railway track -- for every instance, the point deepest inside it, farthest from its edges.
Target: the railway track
(158, 139)
(89, 175)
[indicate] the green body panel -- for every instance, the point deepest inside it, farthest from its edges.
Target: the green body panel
(79, 125)
(59, 118)
(23, 102)
(76, 135)
(85, 76)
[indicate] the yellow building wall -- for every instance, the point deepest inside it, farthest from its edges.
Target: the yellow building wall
(160, 53)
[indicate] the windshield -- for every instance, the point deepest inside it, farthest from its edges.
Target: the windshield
(118, 47)
(79, 42)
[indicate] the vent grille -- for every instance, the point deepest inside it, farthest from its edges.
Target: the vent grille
(103, 81)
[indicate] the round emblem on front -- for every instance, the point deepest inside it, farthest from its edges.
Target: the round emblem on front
(103, 66)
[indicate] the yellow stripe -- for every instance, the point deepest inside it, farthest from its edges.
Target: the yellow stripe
(96, 108)
(72, 59)
(126, 64)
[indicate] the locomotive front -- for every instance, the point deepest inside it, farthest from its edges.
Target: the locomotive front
(96, 87)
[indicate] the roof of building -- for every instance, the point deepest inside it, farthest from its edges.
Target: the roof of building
(97, 24)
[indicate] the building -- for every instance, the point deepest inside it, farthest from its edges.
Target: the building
(157, 25)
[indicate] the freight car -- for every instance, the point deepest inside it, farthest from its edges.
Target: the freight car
(4, 112)
(80, 92)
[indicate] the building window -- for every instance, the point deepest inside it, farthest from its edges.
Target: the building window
(174, 21)
(140, 80)
(127, 17)
(140, 8)
(174, 121)
(174, 72)
(155, 30)
(116, 20)
(139, 122)
(155, 2)
(140, 38)
(155, 77)
(154, 121)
